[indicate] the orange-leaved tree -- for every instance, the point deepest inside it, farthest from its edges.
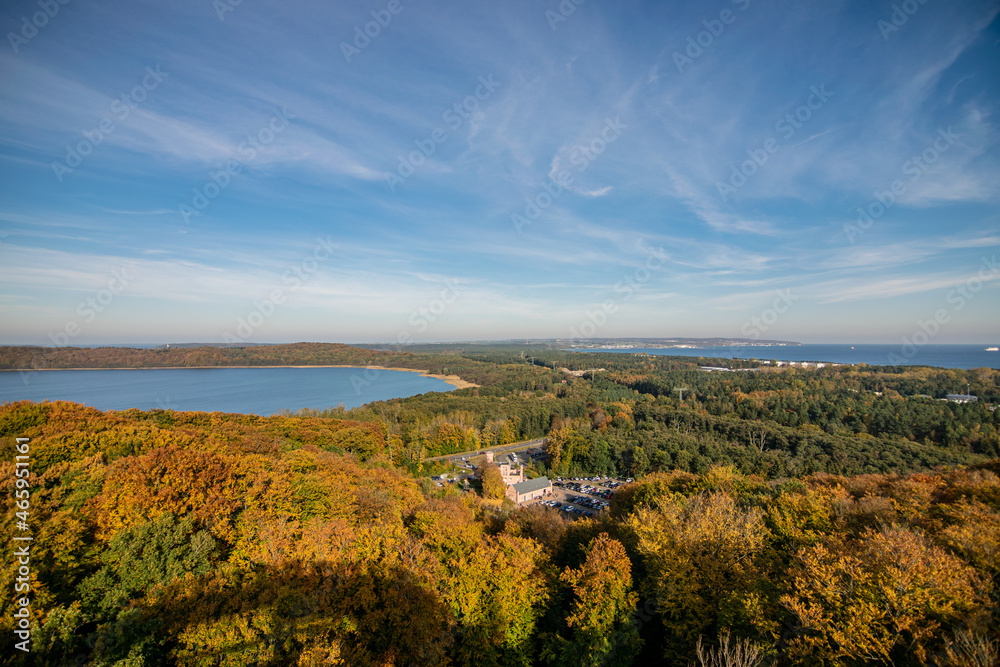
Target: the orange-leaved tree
(877, 599)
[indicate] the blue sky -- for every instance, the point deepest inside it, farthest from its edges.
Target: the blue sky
(487, 170)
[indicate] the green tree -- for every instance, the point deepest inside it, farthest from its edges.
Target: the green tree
(138, 560)
(601, 624)
(144, 556)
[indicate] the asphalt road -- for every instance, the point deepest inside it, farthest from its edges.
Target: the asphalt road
(512, 447)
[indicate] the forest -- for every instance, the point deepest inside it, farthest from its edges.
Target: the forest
(836, 516)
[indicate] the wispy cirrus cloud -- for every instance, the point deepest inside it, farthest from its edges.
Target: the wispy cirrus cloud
(655, 186)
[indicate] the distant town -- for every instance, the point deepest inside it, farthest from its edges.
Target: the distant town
(664, 343)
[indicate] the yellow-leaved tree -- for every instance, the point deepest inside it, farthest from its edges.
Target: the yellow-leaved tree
(877, 598)
(497, 593)
(601, 624)
(700, 554)
(493, 484)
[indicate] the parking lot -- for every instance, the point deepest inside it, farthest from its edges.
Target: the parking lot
(579, 497)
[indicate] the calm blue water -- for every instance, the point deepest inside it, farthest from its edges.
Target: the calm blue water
(261, 391)
(944, 356)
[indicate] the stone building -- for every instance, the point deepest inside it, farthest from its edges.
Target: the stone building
(532, 489)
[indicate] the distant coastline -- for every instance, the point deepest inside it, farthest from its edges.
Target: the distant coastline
(965, 356)
(672, 343)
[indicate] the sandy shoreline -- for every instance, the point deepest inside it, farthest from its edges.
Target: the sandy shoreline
(453, 380)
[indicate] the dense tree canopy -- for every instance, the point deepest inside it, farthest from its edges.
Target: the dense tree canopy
(838, 516)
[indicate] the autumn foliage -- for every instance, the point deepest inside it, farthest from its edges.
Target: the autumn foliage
(212, 539)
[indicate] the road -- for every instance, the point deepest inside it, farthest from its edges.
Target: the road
(512, 447)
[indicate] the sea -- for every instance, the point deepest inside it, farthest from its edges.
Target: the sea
(943, 356)
(260, 391)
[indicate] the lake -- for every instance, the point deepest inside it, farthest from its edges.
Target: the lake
(261, 391)
(943, 356)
